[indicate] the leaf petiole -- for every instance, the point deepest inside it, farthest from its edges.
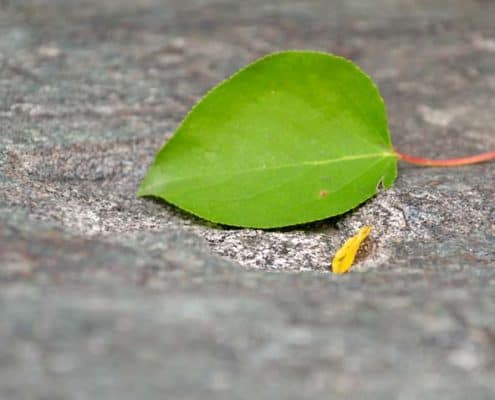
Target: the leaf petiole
(451, 162)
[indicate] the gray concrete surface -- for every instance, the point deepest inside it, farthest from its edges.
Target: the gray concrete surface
(106, 296)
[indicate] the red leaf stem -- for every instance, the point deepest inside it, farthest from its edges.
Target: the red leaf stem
(451, 162)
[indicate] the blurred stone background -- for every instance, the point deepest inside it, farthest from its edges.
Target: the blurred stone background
(106, 296)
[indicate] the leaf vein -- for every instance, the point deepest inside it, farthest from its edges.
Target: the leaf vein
(152, 188)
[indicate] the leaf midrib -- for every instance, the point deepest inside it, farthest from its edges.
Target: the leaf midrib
(335, 190)
(383, 154)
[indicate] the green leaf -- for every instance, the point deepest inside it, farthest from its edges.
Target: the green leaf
(294, 137)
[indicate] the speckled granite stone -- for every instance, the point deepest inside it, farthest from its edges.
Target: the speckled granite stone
(107, 296)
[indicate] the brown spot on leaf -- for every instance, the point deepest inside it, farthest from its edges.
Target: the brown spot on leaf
(323, 193)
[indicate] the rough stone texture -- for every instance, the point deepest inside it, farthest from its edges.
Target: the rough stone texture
(106, 296)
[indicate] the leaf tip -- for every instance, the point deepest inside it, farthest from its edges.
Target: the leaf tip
(142, 190)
